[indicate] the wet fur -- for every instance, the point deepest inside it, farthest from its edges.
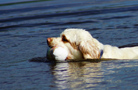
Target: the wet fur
(81, 45)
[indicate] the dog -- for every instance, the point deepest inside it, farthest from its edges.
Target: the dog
(81, 45)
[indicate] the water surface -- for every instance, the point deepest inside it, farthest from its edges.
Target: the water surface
(25, 25)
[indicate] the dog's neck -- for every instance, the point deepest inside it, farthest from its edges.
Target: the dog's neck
(100, 46)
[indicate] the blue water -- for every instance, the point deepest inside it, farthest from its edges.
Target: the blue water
(25, 25)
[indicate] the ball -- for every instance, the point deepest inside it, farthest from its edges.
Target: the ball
(57, 53)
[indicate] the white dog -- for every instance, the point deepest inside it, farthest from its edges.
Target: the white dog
(81, 45)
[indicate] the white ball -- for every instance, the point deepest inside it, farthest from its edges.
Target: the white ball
(57, 53)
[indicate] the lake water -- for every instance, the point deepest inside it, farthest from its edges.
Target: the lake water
(25, 25)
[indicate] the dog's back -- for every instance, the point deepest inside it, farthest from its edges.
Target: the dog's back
(120, 53)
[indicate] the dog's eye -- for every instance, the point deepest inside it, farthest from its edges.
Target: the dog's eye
(64, 39)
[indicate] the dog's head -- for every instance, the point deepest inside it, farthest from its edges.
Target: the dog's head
(78, 42)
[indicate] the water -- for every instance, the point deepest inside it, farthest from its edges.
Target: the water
(25, 25)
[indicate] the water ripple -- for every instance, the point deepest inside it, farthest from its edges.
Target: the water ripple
(24, 27)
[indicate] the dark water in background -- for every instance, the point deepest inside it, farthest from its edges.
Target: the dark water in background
(25, 25)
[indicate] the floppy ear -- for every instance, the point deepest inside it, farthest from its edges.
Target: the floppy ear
(89, 49)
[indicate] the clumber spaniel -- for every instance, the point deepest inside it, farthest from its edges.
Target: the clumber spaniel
(81, 45)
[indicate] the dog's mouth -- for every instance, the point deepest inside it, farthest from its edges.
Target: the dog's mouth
(54, 46)
(57, 53)
(50, 46)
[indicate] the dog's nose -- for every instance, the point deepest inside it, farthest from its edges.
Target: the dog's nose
(49, 39)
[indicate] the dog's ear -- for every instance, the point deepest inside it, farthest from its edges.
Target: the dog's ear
(89, 49)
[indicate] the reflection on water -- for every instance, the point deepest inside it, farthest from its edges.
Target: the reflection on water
(88, 75)
(78, 75)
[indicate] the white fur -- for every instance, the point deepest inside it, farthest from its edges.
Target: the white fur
(81, 45)
(120, 53)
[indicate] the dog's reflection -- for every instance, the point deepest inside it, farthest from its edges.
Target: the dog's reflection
(77, 74)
